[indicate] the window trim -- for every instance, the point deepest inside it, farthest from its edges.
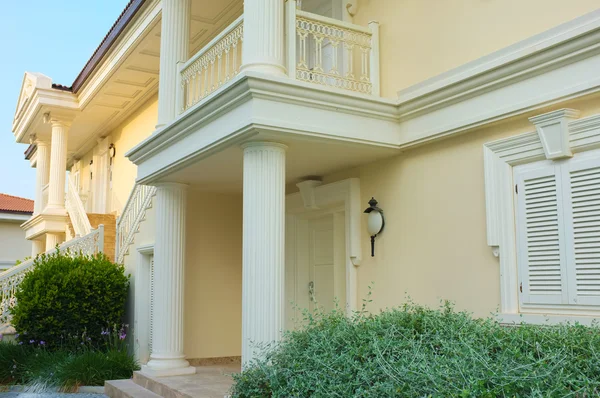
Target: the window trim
(499, 159)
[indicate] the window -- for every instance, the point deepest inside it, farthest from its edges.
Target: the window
(557, 216)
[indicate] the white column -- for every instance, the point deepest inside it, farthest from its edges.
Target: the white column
(42, 173)
(53, 239)
(37, 247)
(58, 168)
(264, 37)
(263, 246)
(167, 358)
(174, 48)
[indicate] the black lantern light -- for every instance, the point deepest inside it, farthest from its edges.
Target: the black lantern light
(375, 222)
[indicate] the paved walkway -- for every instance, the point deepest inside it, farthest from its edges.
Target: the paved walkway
(48, 395)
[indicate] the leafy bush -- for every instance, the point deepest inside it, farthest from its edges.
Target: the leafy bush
(414, 351)
(68, 299)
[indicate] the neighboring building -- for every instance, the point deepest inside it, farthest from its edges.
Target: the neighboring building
(14, 211)
(235, 173)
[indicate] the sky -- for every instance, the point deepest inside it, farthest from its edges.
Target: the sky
(53, 37)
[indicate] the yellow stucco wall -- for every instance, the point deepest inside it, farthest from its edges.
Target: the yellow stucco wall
(128, 134)
(434, 244)
(422, 38)
(213, 282)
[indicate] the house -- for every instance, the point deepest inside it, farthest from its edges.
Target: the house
(13, 245)
(232, 148)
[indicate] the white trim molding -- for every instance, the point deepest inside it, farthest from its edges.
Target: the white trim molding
(499, 159)
(345, 193)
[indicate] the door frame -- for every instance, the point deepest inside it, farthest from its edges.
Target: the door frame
(141, 295)
(342, 195)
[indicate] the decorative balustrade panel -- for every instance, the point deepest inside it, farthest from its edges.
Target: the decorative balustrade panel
(128, 223)
(334, 53)
(76, 210)
(214, 65)
(10, 279)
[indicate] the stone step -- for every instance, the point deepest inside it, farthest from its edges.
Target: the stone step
(127, 389)
(156, 386)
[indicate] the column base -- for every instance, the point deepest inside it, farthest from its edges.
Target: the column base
(264, 67)
(55, 210)
(168, 367)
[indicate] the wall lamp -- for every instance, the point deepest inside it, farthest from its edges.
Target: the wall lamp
(375, 222)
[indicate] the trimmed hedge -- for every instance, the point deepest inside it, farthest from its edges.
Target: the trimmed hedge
(414, 351)
(69, 300)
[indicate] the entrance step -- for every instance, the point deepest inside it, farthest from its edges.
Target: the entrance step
(209, 382)
(127, 389)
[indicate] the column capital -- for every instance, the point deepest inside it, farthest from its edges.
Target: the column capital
(171, 185)
(262, 145)
(57, 119)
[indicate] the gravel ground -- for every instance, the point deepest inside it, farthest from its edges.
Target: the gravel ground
(48, 395)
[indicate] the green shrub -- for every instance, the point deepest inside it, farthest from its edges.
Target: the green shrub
(67, 300)
(92, 368)
(419, 352)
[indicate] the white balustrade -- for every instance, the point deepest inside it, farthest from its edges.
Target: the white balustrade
(134, 211)
(76, 210)
(319, 50)
(331, 52)
(217, 63)
(10, 279)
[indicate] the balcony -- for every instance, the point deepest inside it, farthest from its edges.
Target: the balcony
(319, 50)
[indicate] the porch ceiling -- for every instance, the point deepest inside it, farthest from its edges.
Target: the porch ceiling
(128, 75)
(223, 171)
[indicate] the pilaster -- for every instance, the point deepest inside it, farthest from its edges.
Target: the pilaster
(42, 174)
(58, 167)
(263, 246)
(264, 36)
(167, 357)
(174, 38)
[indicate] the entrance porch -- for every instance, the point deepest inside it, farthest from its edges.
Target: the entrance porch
(245, 239)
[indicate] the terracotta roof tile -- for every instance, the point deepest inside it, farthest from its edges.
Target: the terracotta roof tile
(15, 204)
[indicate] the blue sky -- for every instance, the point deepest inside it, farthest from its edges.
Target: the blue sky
(53, 37)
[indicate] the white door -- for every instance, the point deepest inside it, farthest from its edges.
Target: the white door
(315, 270)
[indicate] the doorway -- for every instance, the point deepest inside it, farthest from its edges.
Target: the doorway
(322, 249)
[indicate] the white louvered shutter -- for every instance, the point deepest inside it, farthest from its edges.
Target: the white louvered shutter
(581, 180)
(540, 235)
(151, 310)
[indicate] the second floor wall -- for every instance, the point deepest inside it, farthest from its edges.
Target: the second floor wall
(105, 183)
(420, 39)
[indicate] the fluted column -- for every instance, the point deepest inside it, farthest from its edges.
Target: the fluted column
(58, 168)
(263, 246)
(263, 36)
(167, 356)
(174, 38)
(42, 174)
(52, 240)
(37, 247)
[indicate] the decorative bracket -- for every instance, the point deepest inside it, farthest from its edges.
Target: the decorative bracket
(553, 129)
(307, 191)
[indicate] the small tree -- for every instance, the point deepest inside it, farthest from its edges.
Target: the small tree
(67, 298)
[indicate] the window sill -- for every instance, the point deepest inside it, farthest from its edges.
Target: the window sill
(545, 319)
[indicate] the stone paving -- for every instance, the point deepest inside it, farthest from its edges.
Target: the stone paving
(49, 395)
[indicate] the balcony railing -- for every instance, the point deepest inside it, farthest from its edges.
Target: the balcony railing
(10, 279)
(331, 52)
(319, 50)
(214, 65)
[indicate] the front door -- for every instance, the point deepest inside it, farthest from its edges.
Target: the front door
(315, 269)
